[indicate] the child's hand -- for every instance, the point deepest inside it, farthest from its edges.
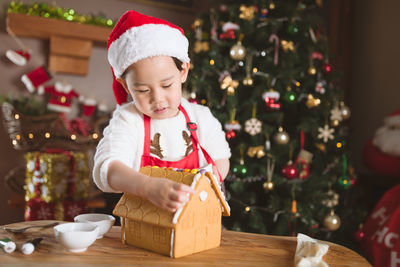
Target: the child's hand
(167, 194)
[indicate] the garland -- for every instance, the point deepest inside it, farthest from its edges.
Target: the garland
(56, 12)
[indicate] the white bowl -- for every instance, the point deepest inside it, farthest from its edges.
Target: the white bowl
(76, 237)
(103, 221)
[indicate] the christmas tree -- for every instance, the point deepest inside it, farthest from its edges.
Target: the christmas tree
(263, 68)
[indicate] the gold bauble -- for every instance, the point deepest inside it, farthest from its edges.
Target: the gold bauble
(312, 70)
(345, 111)
(281, 137)
(268, 186)
(248, 81)
(238, 51)
(335, 123)
(332, 221)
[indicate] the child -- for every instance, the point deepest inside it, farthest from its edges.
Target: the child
(149, 60)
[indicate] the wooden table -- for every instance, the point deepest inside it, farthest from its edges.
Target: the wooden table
(237, 249)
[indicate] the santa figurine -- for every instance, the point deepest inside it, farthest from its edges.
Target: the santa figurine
(382, 152)
(61, 96)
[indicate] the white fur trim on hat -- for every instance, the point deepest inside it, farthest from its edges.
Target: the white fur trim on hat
(392, 120)
(145, 41)
(28, 83)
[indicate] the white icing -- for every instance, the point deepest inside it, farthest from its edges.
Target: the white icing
(172, 243)
(203, 195)
(176, 215)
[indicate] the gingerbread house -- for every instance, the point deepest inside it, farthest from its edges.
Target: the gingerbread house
(192, 228)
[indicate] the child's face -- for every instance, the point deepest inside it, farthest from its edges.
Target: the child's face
(155, 84)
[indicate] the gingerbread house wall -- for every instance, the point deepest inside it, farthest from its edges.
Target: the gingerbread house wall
(148, 236)
(199, 228)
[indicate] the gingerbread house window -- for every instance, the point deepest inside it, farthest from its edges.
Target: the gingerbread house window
(160, 235)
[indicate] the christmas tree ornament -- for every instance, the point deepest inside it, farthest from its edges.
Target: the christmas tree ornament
(332, 221)
(292, 29)
(336, 114)
(304, 159)
(312, 102)
(269, 185)
(345, 111)
(228, 83)
(312, 70)
(359, 235)
(35, 78)
(325, 133)
(232, 126)
(247, 12)
(335, 123)
(228, 31)
(193, 98)
(281, 137)
(317, 55)
(267, 143)
(257, 151)
(238, 51)
(271, 98)
(327, 68)
(240, 169)
(18, 57)
(275, 39)
(200, 47)
(331, 199)
(263, 14)
(290, 96)
(287, 46)
(344, 180)
(88, 106)
(253, 126)
(197, 23)
(320, 87)
(248, 81)
(271, 5)
(290, 170)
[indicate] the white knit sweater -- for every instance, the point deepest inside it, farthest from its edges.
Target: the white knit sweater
(124, 137)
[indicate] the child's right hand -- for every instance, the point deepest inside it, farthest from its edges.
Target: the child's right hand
(166, 194)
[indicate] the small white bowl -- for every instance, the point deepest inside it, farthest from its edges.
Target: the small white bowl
(103, 221)
(76, 237)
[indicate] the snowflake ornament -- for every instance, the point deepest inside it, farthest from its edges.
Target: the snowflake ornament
(331, 200)
(253, 126)
(336, 114)
(325, 133)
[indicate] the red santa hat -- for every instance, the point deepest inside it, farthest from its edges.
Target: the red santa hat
(393, 118)
(136, 37)
(18, 57)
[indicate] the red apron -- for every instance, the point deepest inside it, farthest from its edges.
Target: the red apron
(191, 161)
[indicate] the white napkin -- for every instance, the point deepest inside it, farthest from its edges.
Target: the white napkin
(309, 252)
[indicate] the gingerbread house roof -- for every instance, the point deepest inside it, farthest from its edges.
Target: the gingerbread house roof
(138, 209)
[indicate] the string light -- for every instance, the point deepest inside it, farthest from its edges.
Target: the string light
(18, 137)
(47, 135)
(73, 137)
(298, 84)
(95, 136)
(247, 208)
(338, 144)
(255, 70)
(30, 135)
(212, 62)
(16, 116)
(14, 142)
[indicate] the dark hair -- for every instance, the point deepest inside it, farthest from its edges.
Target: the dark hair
(178, 63)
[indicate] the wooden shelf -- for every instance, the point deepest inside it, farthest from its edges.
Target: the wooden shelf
(70, 42)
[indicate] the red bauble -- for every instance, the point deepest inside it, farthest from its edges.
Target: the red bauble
(327, 68)
(290, 171)
(193, 100)
(230, 134)
(380, 163)
(359, 235)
